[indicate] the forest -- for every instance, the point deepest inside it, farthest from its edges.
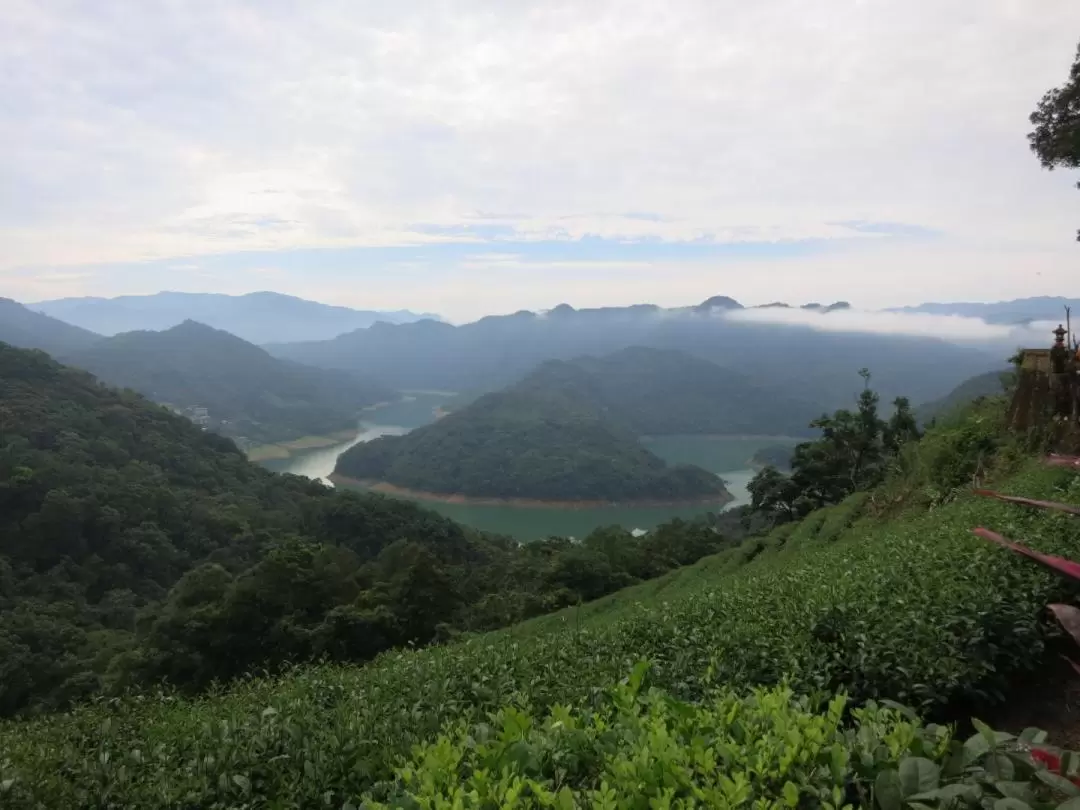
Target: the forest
(543, 443)
(137, 548)
(247, 393)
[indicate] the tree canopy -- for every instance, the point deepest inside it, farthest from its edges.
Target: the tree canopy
(1056, 137)
(135, 547)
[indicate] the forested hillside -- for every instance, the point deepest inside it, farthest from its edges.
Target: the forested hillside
(136, 547)
(886, 595)
(247, 393)
(541, 443)
(20, 326)
(990, 384)
(663, 391)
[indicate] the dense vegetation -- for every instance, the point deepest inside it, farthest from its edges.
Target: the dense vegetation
(27, 329)
(773, 455)
(990, 384)
(136, 547)
(542, 442)
(877, 595)
(246, 392)
(852, 455)
(661, 392)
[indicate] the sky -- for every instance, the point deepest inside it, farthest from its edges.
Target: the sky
(484, 156)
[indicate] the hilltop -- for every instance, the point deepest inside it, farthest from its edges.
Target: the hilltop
(246, 392)
(22, 327)
(542, 444)
(570, 431)
(259, 317)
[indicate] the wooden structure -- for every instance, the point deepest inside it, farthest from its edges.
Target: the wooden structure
(1047, 385)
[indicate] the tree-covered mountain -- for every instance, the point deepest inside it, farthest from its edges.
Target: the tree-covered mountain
(246, 392)
(810, 363)
(27, 329)
(664, 391)
(559, 435)
(982, 385)
(135, 547)
(259, 317)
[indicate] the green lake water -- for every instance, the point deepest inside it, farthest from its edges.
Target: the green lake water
(724, 455)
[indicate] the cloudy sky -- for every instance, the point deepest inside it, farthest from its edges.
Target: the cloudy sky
(483, 156)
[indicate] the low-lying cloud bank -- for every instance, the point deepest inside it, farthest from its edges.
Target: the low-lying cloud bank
(955, 328)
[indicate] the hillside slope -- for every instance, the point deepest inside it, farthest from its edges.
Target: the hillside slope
(992, 383)
(247, 393)
(22, 327)
(904, 604)
(258, 317)
(136, 548)
(550, 438)
(664, 391)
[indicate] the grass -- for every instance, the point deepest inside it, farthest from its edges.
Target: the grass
(908, 606)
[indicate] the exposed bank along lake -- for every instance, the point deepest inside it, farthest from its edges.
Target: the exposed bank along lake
(727, 456)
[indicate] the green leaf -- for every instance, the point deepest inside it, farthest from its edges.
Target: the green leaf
(888, 791)
(565, 799)
(1000, 767)
(1032, 736)
(1070, 804)
(791, 794)
(949, 793)
(1058, 783)
(242, 782)
(975, 748)
(918, 775)
(1011, 804)
(1015, 790)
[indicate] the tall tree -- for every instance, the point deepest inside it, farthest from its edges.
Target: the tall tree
(1056, 137)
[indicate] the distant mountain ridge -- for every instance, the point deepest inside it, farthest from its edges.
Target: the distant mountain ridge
(245, 391)
(1016, 311)
(26, 329)
(495, 351)
(259, 317)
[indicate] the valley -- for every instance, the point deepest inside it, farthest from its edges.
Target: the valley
(726, 456)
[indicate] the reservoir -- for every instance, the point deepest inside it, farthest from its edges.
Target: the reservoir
(726, 456)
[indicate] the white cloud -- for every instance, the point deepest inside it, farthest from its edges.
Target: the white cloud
(160, 129)
(948, 327)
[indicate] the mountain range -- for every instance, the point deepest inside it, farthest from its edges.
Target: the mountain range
(26, 329)
(259, 317)
(811, 364)
(246, 392)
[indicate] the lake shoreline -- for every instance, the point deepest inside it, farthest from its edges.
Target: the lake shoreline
(285, 450)
(384, 488)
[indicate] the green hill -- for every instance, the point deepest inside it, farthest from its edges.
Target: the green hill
(899, 604)
(665, 391)
(137, 548)
(246, 392)
(538, 443)
(22, 327)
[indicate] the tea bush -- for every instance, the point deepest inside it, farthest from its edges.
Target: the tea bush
(913, 609)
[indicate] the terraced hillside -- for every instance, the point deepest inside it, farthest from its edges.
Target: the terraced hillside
(886, 595)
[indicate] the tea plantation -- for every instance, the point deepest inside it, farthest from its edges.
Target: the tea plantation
(884, 596)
